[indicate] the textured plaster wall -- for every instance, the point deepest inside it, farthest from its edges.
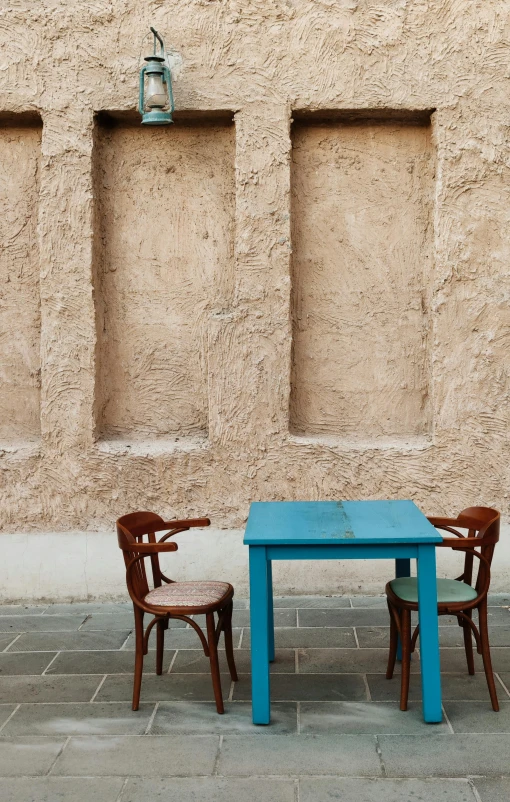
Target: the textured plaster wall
(362, 201)
(164, 263)
(20, 322)
(261, 61)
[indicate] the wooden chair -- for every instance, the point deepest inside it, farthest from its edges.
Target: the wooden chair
(455, 596)
(172, 599)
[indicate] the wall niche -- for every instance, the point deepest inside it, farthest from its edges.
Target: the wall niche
(20, 316)
(163, 262)
(362, 202)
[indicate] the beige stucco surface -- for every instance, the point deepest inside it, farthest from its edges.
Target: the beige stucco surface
(20, 322)
(361, 233)
(120, 241)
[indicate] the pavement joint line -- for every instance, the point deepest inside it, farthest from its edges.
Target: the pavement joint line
(450, 727)
(296, 661)
(231, 690)
(120, 647)
(172, 661)
(298, 718)
(151, 720)
(217, 758)
(121, 792)
(99, 687)
(356, 638)
(87, 618)
(12, 714)
(297, 616)
(380, 756)
(241, 637)
(49, 664)
(473, 790)
(296, 791)
(13, 641)
(351, 607)
(367, 688)
(60, 751)
(496, 674)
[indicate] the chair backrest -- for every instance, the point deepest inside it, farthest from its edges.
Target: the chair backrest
(483, 524)
(131, 529)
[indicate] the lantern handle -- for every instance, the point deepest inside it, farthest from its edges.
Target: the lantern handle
(160, 40)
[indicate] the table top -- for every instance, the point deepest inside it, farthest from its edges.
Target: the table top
(285, 523)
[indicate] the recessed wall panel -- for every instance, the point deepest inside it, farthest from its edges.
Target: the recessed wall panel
(19, 284)
(164, 263)
(361, 228)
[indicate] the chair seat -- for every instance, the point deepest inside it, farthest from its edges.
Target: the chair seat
(448, 590)
(187, 594)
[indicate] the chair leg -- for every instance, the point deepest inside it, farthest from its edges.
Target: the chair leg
(468, 644)
(160, 645)
(392, 656)
(405, 634)
(486, 654)
(215, 666)
(137, 683)
(229, 648)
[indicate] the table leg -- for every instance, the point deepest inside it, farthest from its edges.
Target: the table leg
(270, 612)
(402, 568)
(429, 634)
(259, 619)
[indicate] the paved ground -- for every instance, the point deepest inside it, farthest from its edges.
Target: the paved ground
(67, 733)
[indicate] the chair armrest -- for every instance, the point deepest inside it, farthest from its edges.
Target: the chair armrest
(153, 548)
(464, 544)
(182, 525)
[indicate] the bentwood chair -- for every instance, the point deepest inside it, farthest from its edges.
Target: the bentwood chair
(457, 597)
(169, 599)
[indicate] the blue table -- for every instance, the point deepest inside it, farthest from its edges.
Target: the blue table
(339, 530)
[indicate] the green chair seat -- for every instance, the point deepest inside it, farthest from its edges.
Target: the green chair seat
(448, 590)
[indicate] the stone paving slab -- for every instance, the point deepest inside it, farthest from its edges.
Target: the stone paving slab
(369, 602)
(28, 756)
(444, 756)
(48, 689)
(343, 618)
(62, 789)
(505, 679)
(180, 639)
(363, 718)
(29, 663)
(6, 639)
(88, 608)
(123, 621)
(312, 602)
(69, 641)
(40, 623)
(493, 790)
(313, 637)
(192, 662)
(345, 755)
(282, 618)
(79, 719)
(106, 662)
(454, 686)
(211, 789)
(139, 756)
(346, 661)
(6, 710)
(470, 717)
(372, 790)
(168, 687)
(22, 609)
(308, 687)
(188, 718)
